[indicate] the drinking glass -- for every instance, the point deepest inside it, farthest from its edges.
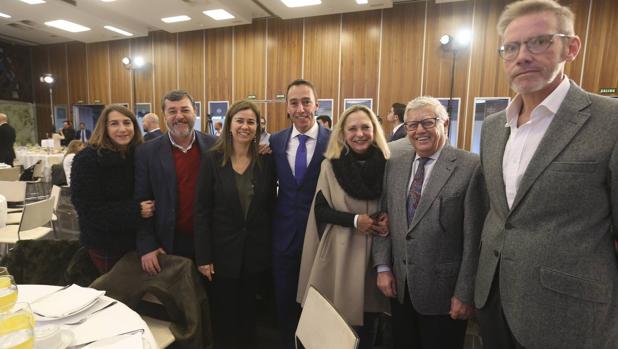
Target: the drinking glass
(8, 292)
(17, 328)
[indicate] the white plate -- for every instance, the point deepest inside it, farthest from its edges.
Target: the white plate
(108, 341)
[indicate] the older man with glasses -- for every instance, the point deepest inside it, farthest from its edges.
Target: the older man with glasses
(434, 197)
(548, 275)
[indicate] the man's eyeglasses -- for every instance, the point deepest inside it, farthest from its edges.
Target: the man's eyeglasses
(535, 45)
(426, 123)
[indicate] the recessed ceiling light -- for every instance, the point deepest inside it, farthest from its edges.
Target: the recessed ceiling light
(300, 3)
(362, 2)
(33, 2)
(66, 25)
(4, 15)
(119, 31)
(108, 0)
(175, 19)
(219, 14)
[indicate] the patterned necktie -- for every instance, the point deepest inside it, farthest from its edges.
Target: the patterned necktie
(414, 196)
(300, 164)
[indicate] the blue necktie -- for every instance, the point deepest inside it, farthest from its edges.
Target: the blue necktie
(414, 196)
(300, 164)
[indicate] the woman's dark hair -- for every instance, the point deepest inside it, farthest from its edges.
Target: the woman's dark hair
(225, 144)
(100, 138)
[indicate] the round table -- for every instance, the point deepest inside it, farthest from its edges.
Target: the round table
(29, 158)
(3, 211)
(107, 323)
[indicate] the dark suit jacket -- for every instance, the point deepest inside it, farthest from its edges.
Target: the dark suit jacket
(69, 135)
(401, 132)
(223, 235)
(7, 141)
(555, 246)
(152, 135)
(155, 179)
(78, 134)
(294, 200)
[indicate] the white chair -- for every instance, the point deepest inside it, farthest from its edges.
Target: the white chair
(10, 174)
(14, 192)
(322, 327)
(32, 225)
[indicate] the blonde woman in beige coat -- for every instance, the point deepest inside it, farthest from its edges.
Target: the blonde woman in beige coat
(344, 216)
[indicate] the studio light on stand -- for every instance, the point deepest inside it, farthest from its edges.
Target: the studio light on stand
(49, 80)
(132, 64)
(454, 44)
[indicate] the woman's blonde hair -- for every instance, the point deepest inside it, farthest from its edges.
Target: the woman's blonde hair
(74, 147)
(337, 142)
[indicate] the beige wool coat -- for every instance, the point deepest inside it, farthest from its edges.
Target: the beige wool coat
(340, 265)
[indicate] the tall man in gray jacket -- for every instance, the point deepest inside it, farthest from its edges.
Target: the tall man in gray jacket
(547, 275)
(434, 197)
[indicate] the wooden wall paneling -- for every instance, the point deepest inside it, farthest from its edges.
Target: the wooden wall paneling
(447, 18)
(360, 53)
(218, 62)
(285, 40)
(40, 65)
(78, 73)
(120, 77)
(402, 56)
(58, 68)
(601, 68)
(581, 10)
(144, 76)
(191, 66)
(250, 61)
(321, 57)
(487, 78)
(165, 50)
(98, 72)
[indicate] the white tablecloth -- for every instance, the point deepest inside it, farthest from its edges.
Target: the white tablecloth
(29, 158)
(109, 322)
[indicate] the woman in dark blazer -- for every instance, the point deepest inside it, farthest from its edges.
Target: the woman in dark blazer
(234, 204)
(102, 188)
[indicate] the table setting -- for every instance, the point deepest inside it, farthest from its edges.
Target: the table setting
(69, 317)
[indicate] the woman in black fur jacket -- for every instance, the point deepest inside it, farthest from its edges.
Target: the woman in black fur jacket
(102, 188)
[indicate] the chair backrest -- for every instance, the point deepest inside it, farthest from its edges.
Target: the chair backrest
(10, 174)
(55, 193)
(36, 214)
(39, 170)
(322, 327)
(13, 191)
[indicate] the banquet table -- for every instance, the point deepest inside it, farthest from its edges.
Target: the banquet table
(116, 319)
(29, 157)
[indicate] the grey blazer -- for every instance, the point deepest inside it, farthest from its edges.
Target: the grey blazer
(438, 252)
(554, 247)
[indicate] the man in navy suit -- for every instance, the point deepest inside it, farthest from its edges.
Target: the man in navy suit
(166, 171)
(396, 116)
(298, 152)
(151, 127)
(83, 134)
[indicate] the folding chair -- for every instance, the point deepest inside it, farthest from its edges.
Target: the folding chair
(10, 174)
(322, 327)
(31, 226)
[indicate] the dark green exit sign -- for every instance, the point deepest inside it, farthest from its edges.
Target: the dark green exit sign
(280, 96)
(607, 90)
(252, 97)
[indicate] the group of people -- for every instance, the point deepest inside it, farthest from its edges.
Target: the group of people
(522, 236)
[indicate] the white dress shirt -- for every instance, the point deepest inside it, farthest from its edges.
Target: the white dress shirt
(396, 128)
(312, 139)
(524, 140)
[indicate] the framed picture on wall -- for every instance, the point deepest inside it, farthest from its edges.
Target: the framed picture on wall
(453, 128)
(348, 102)
(198, 116)
(216, 112)
(325, 107)
(60, 115)
(483, 107)
(141, 109)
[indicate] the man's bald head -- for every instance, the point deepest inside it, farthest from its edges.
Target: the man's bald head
(151, 122)
(3, 118)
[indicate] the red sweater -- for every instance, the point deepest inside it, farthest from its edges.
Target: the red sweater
(187, 168)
